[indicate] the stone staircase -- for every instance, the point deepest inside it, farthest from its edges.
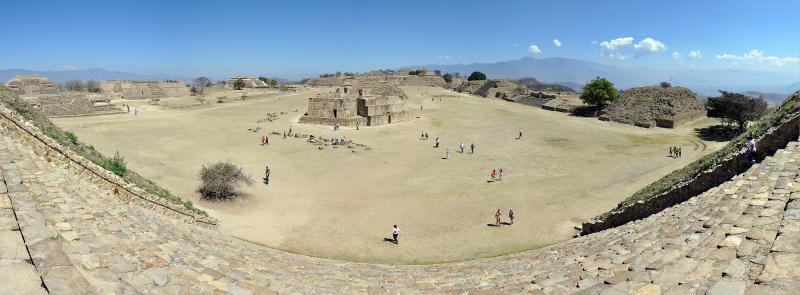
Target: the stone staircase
(742, 237)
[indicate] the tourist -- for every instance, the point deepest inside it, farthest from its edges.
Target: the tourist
(751, 149)
(494, 174)
(129, 109)
(266, 176)
(446, 153)
(262, 139)
(472, 148)
(426, 135)
(290, 130)
(511, 216)
(422, 135)
(266, 139)
(680, 152)
(462, 147)
(497, 217)
(284, 134)
(437, 143)
(520, 134)
(671, 151)
(395, 232)
(500, 175)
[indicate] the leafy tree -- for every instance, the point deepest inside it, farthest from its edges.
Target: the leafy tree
(597, 92)
(736, 107)
(221, 181)
(476, 76)
(437, 72)
(448, 78)
(199, 84)
(73, 85)
(665, 84)
(93, 86)
(238, 84)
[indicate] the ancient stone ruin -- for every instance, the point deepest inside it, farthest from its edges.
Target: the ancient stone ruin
(377, 79)
(32, 84)
(249, 82)
(144, 89)
(348, 106)
(72, 104)
(650, 106)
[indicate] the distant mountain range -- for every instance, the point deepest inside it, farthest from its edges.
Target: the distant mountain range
(87, 74)
(573, 72)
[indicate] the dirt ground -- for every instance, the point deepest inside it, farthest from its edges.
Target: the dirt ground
(340, 204)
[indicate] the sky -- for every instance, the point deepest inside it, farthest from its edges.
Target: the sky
(291, 38)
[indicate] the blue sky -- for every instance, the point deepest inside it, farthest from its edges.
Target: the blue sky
(288, 38)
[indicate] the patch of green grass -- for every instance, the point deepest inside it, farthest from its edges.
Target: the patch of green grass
(115, 164)
(790, 107)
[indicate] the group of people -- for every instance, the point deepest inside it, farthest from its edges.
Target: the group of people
(130, 110)
(498, 214)
(497, 174)
(264, 140)
(675, 152)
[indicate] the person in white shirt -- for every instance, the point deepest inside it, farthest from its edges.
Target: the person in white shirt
(395, 232)
(751, 149)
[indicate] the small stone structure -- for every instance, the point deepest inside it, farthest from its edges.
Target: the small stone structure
(650, 106)
(143, 89)
(377, 79)
(32, 84)
(249, 82)
(348, 106)
(72, 104)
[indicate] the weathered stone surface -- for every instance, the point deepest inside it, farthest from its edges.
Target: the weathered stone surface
(781, 266)
(20, 278)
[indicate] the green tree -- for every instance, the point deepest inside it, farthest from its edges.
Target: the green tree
(598, 92)
(736, 107)
(238, 84)
(220, 181)
(476, 76)
(116, 164)
(448, 78)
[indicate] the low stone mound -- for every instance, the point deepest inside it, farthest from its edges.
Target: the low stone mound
(72, 104)
(501, 88)
(651, 106)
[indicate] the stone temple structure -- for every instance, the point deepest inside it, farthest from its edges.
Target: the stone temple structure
(32, 84)
(71, 104)
(348, 106)
(143, 89)
(249, 82)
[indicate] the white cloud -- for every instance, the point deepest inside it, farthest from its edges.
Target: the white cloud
(756, 56)
(676, 56)
(612, 45)
(534, 49)
(556, 43)
(647, 46)
(695, 54)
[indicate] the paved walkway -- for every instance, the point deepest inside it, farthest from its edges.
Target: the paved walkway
(741, 237)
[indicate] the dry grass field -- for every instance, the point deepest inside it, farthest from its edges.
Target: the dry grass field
(340, 204)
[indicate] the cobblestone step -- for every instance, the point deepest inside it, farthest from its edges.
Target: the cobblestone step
(741, 237)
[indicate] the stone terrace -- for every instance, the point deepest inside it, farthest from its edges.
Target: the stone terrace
(741, 237)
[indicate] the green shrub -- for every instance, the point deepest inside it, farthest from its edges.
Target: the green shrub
(116, 164)
(71, 137)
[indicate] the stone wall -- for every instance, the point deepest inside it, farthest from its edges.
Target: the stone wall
(776, 138)
(45, 146)
(143, 89)
(31, 84)
(72, 104)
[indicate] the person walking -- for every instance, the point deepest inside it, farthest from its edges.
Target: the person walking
(751, 149)
(500, 175)
(671, 151)
(511, 216)
(494, 174)
(436, 146)
(520, 134)
(680, 152)
(266, 176)
(462, 147)
(472, 148)
(447, 153)
(395, 233)
(262, 139)
(266, 139)
(497, 217)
